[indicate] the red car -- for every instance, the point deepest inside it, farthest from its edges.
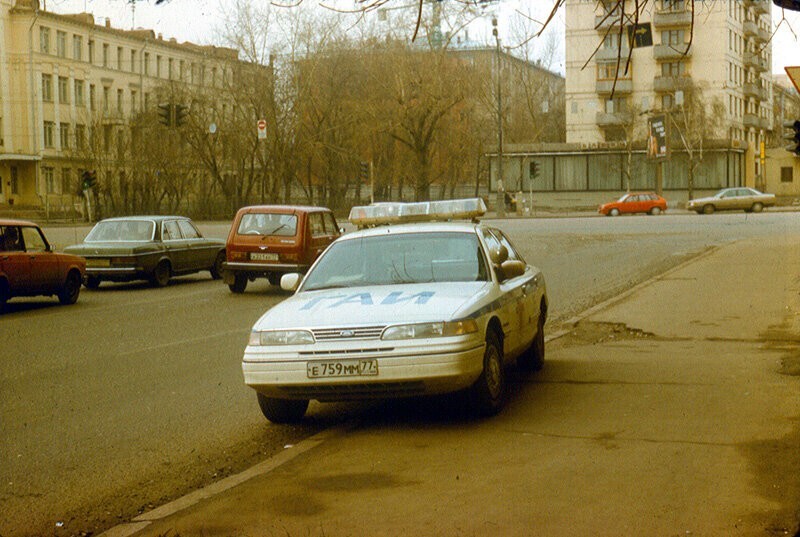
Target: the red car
(635, 202)
(268, 241)
(30, 267)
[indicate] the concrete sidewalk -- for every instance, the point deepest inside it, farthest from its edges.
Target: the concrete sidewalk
(678, 414)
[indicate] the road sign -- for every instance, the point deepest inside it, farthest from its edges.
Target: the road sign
(794, 76)
(262, 129)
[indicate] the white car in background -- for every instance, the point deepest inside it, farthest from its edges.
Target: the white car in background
(744, 199)
(401, 309)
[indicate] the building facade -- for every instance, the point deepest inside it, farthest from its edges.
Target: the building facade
(721, 49)
(65, 79)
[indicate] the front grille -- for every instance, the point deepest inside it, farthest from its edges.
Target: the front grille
(345, 351)
(360, 332)
(345, 392)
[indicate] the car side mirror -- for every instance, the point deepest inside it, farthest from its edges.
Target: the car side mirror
(512, 268)
(291, 281)
(499, 255)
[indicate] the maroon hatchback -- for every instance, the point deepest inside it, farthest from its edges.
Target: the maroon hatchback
(267, 241)
(30, 267)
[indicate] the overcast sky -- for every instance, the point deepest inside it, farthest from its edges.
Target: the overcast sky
(197, 20)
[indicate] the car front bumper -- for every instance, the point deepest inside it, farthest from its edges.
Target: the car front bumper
(404, 369)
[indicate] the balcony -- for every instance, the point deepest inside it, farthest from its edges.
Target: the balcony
(754, 60)
(672, 19)
(754, 31)
(624, 86)
(761, 7)
(604, 22)
(611, 54)
(755, 91)
(751, 121)
(765, 124)
(671, 52)
(604, 119)
(668, 84)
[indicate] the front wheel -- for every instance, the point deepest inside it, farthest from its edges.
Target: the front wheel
(708, 209)
(489, 391)
(239, 284)
(614, 212)
(70, 290)
(655, 211)
(216, 268)
(161, 274)
(282, 410)
(757, 207)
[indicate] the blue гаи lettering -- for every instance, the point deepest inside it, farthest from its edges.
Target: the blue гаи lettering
(365, 299)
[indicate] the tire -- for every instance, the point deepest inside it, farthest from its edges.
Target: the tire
(488, 394)
(708, 209)
(239, 284)
(613, 212)
(282, 410)
(161, 274)
(533, 357)
(216, 268)
(69, 292)
(757, 207)
(655, 211)
(92, 282)
(4, 293)
(274, 279)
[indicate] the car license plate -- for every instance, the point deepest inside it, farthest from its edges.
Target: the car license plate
(342, 368)
(263, 257)
(102, 262)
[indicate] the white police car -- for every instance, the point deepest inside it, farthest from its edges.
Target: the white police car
(401, 309)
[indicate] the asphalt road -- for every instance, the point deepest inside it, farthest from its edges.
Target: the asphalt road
(134, 395)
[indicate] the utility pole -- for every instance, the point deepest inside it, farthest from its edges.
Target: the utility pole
(501, 200)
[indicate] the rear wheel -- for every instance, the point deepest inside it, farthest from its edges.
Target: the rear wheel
(489, 391)
(71, 289)
(282, 410)
(614, 212)
(708, 209)
(4, 293)
(757, 207)
(239, 283)
(92, 282)
(216, 268)
(161, 274)
(655, 211)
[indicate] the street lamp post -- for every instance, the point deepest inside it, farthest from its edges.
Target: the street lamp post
(501, 201)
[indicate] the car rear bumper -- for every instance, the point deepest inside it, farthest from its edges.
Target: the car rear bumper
(399, 375)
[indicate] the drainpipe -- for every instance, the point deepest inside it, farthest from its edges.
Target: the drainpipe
(34, 126)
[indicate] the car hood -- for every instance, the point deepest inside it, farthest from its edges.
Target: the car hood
(703, 200)
(374, 305)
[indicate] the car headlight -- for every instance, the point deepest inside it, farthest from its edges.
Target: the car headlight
(429, 330)
(280, 337)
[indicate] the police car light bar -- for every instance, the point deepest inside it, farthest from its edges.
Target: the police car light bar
(428, 211)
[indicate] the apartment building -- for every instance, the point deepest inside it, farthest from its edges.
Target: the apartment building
(729, 59)
(62, 77)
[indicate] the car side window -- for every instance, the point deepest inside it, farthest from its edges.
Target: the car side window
(33, 240)
(188, 230)
(315, 224)
(330, 224)
(10, 239)
(512, 252)
(170, 231)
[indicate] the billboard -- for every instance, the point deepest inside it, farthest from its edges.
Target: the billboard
(657, 137)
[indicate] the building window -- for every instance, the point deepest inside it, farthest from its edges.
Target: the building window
(47, 88)
(63, 135)
(158, 66)
(147, 100)
(2, 143)
(608, 71)
(133, 61)
(106, 137)
(181, 71)
(49, 179)
(79, 100)
(49, 134)
(80, 136)
(61, 44)
(672, 68)
(66, 180)
(105, 54)
(666, 101)
(119, 101)
(92, 98)
(169, 68)
(63, 90)
(119, 58)
(787, 174)
(106, 98)
(672, 37)
(77, 47)
(134, 95)
(673, 5)
(91, 51)
(147, 63)
(44, 40)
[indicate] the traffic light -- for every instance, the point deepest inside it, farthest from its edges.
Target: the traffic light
(88, 180)
(792, 134)
(165, 114)
(364, 171)
(534, 169)
(181, 113)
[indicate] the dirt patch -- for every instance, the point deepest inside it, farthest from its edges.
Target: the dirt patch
(785, 338)
(591, 333)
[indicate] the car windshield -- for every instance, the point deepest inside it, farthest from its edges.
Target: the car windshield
(398, 259)
(121, 230)
(623, 197)
(282, 225)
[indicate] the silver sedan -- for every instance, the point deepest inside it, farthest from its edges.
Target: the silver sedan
(733, 199)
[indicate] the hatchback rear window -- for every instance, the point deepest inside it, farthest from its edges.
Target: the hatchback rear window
(282, 225)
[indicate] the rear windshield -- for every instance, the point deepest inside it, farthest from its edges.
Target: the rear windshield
(281, 225)
(122, 230)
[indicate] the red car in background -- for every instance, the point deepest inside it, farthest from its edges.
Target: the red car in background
(30, 267)
(635, 202)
